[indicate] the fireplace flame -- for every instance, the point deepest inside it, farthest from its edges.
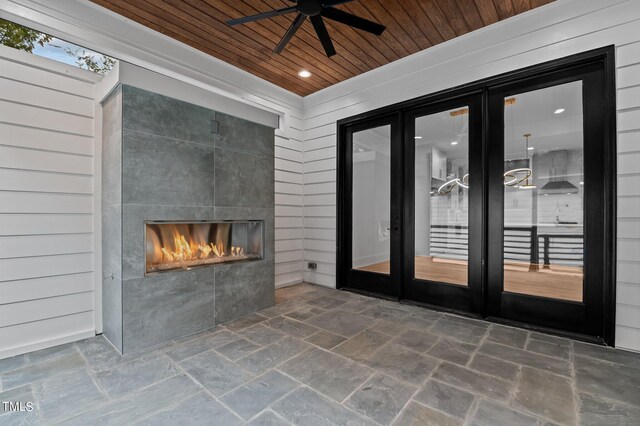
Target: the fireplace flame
(171, 246)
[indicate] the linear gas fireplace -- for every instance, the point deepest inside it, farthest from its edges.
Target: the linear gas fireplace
(184, 245)
(187, 215)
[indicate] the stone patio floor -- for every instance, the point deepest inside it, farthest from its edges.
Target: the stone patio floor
(324, 356)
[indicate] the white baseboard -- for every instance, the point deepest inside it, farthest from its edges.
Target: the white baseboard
(289, 283)
(19, 350)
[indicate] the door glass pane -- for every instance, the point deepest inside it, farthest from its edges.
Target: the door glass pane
(544, 193)
(371, 226)
(442, 196)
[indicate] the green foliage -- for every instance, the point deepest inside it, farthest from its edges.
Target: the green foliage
(22, 38)
(19, 37)
(89, 62)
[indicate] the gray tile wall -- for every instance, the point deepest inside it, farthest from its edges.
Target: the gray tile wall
(174, 167)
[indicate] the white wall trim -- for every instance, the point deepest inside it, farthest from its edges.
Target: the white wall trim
(97, 215)
(43, 344)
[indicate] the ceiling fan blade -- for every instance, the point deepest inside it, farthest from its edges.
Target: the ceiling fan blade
(264, 15)
(353, 20)
(290, 32)
(323, 35)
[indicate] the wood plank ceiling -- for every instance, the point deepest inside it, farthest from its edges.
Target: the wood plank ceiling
(412, 25)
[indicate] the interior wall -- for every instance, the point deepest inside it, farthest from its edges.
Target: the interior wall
(47, 238)
(288, 199)
(550, 32)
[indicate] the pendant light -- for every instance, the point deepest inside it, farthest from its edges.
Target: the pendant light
(527, 185)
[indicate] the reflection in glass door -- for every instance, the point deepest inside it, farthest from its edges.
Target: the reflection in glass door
(544, 193)
(495, 198)
(443, 178)
(442, 196)
(546, 232)
(371, 229)
(370, 176)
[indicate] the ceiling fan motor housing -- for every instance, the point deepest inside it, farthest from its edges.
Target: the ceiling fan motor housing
(310, 7)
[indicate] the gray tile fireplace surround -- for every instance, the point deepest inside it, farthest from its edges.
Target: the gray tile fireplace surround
(165, 159)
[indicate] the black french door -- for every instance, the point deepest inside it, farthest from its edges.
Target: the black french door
(443, 178)
(370, 202)
(496, 199)
(549, 162)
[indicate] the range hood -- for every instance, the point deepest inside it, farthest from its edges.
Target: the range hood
(558, 183)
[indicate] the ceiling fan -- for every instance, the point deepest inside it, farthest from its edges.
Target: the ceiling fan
(315, 10)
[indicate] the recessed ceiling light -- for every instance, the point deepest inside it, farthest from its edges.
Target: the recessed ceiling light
(530, 148)
(418, 137)
(454, 143)
(559, 111)
(304, 74)
(581, 183)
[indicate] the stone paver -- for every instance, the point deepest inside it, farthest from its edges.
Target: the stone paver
(321, 356)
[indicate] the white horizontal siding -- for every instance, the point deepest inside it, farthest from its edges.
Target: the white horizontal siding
(45, 245)
(38, 181)
(628, 244)
(556, 30)
(41, 309)
(288, 207)
(46, 203)
(36, 202)
(43, 139)
(31, 336)
(45, 224)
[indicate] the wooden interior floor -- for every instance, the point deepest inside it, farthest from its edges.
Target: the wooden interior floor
(558, 282)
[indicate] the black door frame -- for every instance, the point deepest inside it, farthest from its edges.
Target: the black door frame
(444, 295)
(578, 317)
(604, 58)
(357, 280)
